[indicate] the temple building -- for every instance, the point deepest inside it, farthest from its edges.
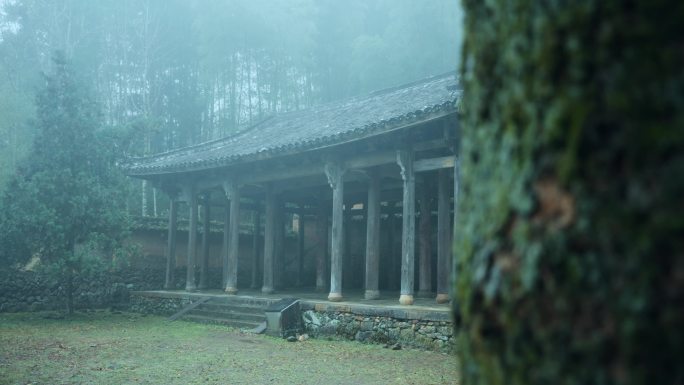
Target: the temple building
(367, 163)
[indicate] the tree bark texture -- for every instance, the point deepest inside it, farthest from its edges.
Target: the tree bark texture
(569, 230)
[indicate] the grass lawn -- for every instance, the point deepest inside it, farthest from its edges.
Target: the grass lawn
(104, 348)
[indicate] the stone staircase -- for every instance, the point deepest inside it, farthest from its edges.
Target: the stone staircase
(237, 312)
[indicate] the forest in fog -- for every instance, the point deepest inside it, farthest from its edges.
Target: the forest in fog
(171, 73)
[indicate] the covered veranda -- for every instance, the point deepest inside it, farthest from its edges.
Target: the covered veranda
(383, 166)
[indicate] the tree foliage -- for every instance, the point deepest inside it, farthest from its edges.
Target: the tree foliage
(65, 204)
(569, 245)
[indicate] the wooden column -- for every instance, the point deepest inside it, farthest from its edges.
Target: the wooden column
(204, 263)
(171, 246)
(279, 244)
(335, 173)
(405, 161)
(300, 246)
(192, 240)
(233, 193)
(226, 243)
(322, 250)
(393, 273)
(347, 262)
(452, 246)
(269, 240)
(425, 238)
(373, 238)
(443, 237)
(255, 249)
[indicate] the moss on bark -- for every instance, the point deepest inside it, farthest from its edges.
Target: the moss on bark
(569, 263)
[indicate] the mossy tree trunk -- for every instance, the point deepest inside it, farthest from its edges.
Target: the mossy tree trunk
(569, 263)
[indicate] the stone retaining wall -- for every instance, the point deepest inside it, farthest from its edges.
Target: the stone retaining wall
(423, 328)
(165, 306)
(423, 334)
(33, 291)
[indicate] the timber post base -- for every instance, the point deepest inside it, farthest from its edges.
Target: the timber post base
(335, 297)
(231, 290)
(406, 299)
(372, 294)
(442, 298)
(267, 290)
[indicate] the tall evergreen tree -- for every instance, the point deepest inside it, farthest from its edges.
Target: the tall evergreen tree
(570, 239)
(65, 205)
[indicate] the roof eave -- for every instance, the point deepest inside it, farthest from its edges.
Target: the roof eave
(266, 155)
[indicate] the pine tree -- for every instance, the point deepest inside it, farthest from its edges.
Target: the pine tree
(65, 205)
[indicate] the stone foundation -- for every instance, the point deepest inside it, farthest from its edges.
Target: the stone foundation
(420, 327)
(423, 334)
(157, 305)
(33, 291)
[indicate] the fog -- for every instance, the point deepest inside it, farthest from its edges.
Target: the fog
(171, 73)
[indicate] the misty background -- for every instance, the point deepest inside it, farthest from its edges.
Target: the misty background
(171, 73)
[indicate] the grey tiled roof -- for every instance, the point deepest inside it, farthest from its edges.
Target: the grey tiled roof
(311, 128)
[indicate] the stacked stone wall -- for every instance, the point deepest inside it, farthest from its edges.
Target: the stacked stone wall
(33, 291)
(423, 334)
(164, 306)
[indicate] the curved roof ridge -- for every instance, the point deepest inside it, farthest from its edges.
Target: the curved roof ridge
(313, 127)
(414, 83)
(207, 143)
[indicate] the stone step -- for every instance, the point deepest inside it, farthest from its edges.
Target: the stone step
(221, 321)
(230, 315)
(232, 308)
(246, 301)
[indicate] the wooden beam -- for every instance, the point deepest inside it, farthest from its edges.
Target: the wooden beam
(370, 160)
(282, 174)
(307, 170)
(430, 164)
